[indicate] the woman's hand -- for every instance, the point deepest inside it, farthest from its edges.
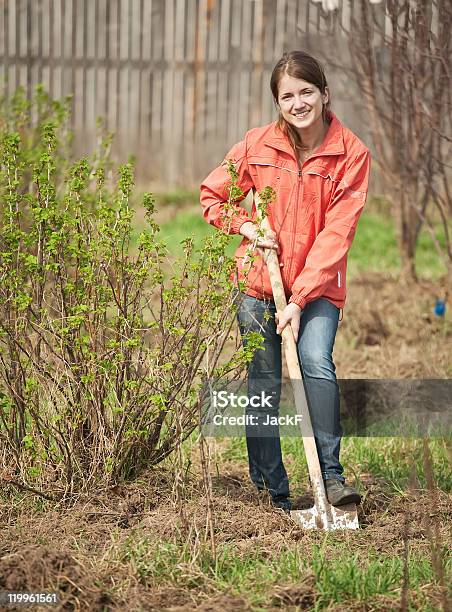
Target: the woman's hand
(291, 314)
(267, 241)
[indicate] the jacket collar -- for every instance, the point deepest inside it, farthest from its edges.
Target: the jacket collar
(333, 143)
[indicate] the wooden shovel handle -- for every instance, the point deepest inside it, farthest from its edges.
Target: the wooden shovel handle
(293, 366)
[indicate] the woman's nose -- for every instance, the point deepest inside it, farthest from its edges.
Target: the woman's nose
(299, 102)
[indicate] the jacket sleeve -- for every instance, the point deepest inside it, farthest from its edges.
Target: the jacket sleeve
(217, 210)
(333, 242)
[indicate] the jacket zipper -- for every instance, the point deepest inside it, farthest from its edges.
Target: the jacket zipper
(294, 225)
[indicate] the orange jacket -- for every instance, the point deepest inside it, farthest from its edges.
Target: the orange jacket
(314, 216)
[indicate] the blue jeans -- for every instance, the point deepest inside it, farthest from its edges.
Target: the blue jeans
(318, 326)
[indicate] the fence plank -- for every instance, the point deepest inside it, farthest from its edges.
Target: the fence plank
(168, 90)
(245, 80)
(225, 16)
(236, 25)
(200, 72)
(191, 33)
(156, 119)
(91, 29)
(136, 28)
(45, 28)
(169, 30)
(244, 94)
(124, 29)
(90, 104)
(67, 28)
(56, 50)
(233, 105)
(213, 24)
(34, 80)
(179, 32)
(146, 51)
(101, 33)
(56, 46)
(79, 119)
(66, 47)
(22, 33)
(12, 38)
(101, 92)
(22, 77)
(211, 104)
(12, 20)
(112, 103)
(3, 9)
(124, 104)
(291, 30)
(189, 125)
(257, 46)
(157, 30)
(134, 105)
(269, 30)
(113, 29)
(280, 28)
(145, 107)
(178, 121)
(268, 107)
(257, 55)
(246, 33)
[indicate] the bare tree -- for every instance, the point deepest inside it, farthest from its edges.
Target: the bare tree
(401, 60)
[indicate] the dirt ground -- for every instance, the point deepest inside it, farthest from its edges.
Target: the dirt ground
(77, 551)
(88, 552)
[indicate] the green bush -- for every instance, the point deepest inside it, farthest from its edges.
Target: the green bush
(102, 361)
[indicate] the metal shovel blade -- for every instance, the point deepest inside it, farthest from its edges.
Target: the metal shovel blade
(342, 517)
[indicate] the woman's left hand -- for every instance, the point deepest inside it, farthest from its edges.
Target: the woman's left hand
(291, 314)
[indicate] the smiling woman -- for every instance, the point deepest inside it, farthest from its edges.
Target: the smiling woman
(319, 170)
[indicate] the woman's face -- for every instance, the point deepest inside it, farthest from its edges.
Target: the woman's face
(300, 102)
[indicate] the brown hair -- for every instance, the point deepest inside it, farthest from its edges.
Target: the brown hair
(300, 65)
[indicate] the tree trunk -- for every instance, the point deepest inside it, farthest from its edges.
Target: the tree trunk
(407, 233)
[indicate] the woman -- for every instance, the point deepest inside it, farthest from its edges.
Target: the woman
(319, 170)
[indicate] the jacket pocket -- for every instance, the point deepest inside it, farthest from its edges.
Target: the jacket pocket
(270, 172)
(325, 174)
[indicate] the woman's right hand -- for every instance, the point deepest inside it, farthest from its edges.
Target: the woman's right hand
(267, 241)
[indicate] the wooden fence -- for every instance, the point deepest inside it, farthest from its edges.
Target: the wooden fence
(178, 81)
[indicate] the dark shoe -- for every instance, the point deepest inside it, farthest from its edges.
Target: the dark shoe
(284, 504)
(340, 494)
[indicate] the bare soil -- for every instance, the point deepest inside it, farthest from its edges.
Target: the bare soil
(90, 552)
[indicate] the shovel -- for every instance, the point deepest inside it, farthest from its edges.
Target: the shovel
(322, 515)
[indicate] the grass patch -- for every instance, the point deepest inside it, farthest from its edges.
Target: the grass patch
(375, 248)
(391, 459)
(179, 196)
(322, 578)
(189, 224)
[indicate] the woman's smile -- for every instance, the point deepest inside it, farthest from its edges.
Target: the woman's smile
(301, 114)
